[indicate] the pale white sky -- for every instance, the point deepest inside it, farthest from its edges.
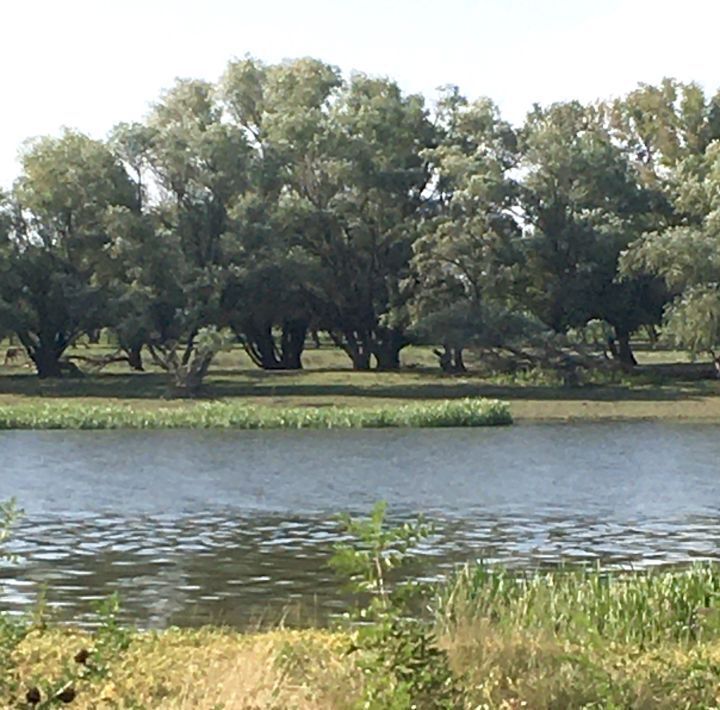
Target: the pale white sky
(88, 64)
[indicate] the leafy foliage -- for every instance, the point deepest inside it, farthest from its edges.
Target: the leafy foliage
(402, 664)
(286, 199)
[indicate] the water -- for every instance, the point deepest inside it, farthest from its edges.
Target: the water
(236, 527)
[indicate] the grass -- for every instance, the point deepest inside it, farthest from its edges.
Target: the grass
(204, 669)
(562, 639)
(666, 388)
(585, 638)
(587, 605)
(214, 415)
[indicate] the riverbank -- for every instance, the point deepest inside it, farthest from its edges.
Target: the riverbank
(577, 639)
(666, 387)
(215, 669)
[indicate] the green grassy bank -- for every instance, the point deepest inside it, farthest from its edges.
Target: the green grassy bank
(554, 640)
(666, 387)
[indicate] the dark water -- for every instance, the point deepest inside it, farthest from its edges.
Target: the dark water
(233, 527)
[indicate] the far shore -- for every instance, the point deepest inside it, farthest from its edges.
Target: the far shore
(666, 387)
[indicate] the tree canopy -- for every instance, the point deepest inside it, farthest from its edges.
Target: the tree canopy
(287, 198)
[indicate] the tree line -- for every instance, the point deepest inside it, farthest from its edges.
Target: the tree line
(285, 199)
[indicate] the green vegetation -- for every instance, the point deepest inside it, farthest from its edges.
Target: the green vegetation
(666, 385)
(284, 202)
(215, 415)
(488, 638)
(588, 605)
(397, 652)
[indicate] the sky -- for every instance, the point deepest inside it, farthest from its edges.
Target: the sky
(88, 64)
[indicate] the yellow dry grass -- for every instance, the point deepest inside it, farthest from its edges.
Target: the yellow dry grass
(214, 669)
(204, 669)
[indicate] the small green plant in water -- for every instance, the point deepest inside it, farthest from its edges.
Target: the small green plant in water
(402, 665)
(9, 516)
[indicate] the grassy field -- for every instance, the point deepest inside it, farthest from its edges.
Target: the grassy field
(666, 387)
(556, 640)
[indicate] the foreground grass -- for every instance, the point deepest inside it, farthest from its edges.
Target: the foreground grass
(550, 640)
(207, 669)
(571, 639)
(213, 415)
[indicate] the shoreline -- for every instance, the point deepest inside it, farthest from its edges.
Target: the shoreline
(69, 413)
(557, 639)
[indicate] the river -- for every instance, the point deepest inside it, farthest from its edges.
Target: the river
(191, 527)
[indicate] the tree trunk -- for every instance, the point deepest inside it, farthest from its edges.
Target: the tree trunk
(47, 363)
(263, 350)
(458, 361)
(188, 379)
(134, 354)
(625, 355)
(450, 359)
(260, 346)
(293, 344)
(355, 345)
(360, 360)
(444, 357)
(387, 358)
(387, 349)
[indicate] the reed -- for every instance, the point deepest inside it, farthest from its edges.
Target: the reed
(650, 607)
(466, 412)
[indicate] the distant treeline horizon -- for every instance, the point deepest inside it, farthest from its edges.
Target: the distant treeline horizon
(285, 199)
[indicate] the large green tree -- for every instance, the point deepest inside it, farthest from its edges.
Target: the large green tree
(283, 110)
(48, 290)
(168, 268)
(660, 126)
(584, 203)
(463, 264)
(356, 205)
(687, 255)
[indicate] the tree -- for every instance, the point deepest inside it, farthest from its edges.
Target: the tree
(687, 256)
(463, 264)
(132, 144)
(659, 126)
(356, 204)
(584, 203)
(282, 109)
(48, 293)
(167, 260)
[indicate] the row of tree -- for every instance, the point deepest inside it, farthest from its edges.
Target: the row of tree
(285, 199)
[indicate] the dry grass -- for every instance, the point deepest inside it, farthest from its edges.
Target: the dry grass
(524, 669)
(202, 669)
(212, 669)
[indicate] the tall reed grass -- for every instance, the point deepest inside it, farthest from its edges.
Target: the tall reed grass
(646, 607)
(219, 415)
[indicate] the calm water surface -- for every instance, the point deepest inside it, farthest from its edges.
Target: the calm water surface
(234, 527)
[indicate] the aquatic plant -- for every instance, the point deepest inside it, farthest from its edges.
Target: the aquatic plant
(639, 607)
(466, 412)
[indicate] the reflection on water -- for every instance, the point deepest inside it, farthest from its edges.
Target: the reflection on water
(191, 527)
